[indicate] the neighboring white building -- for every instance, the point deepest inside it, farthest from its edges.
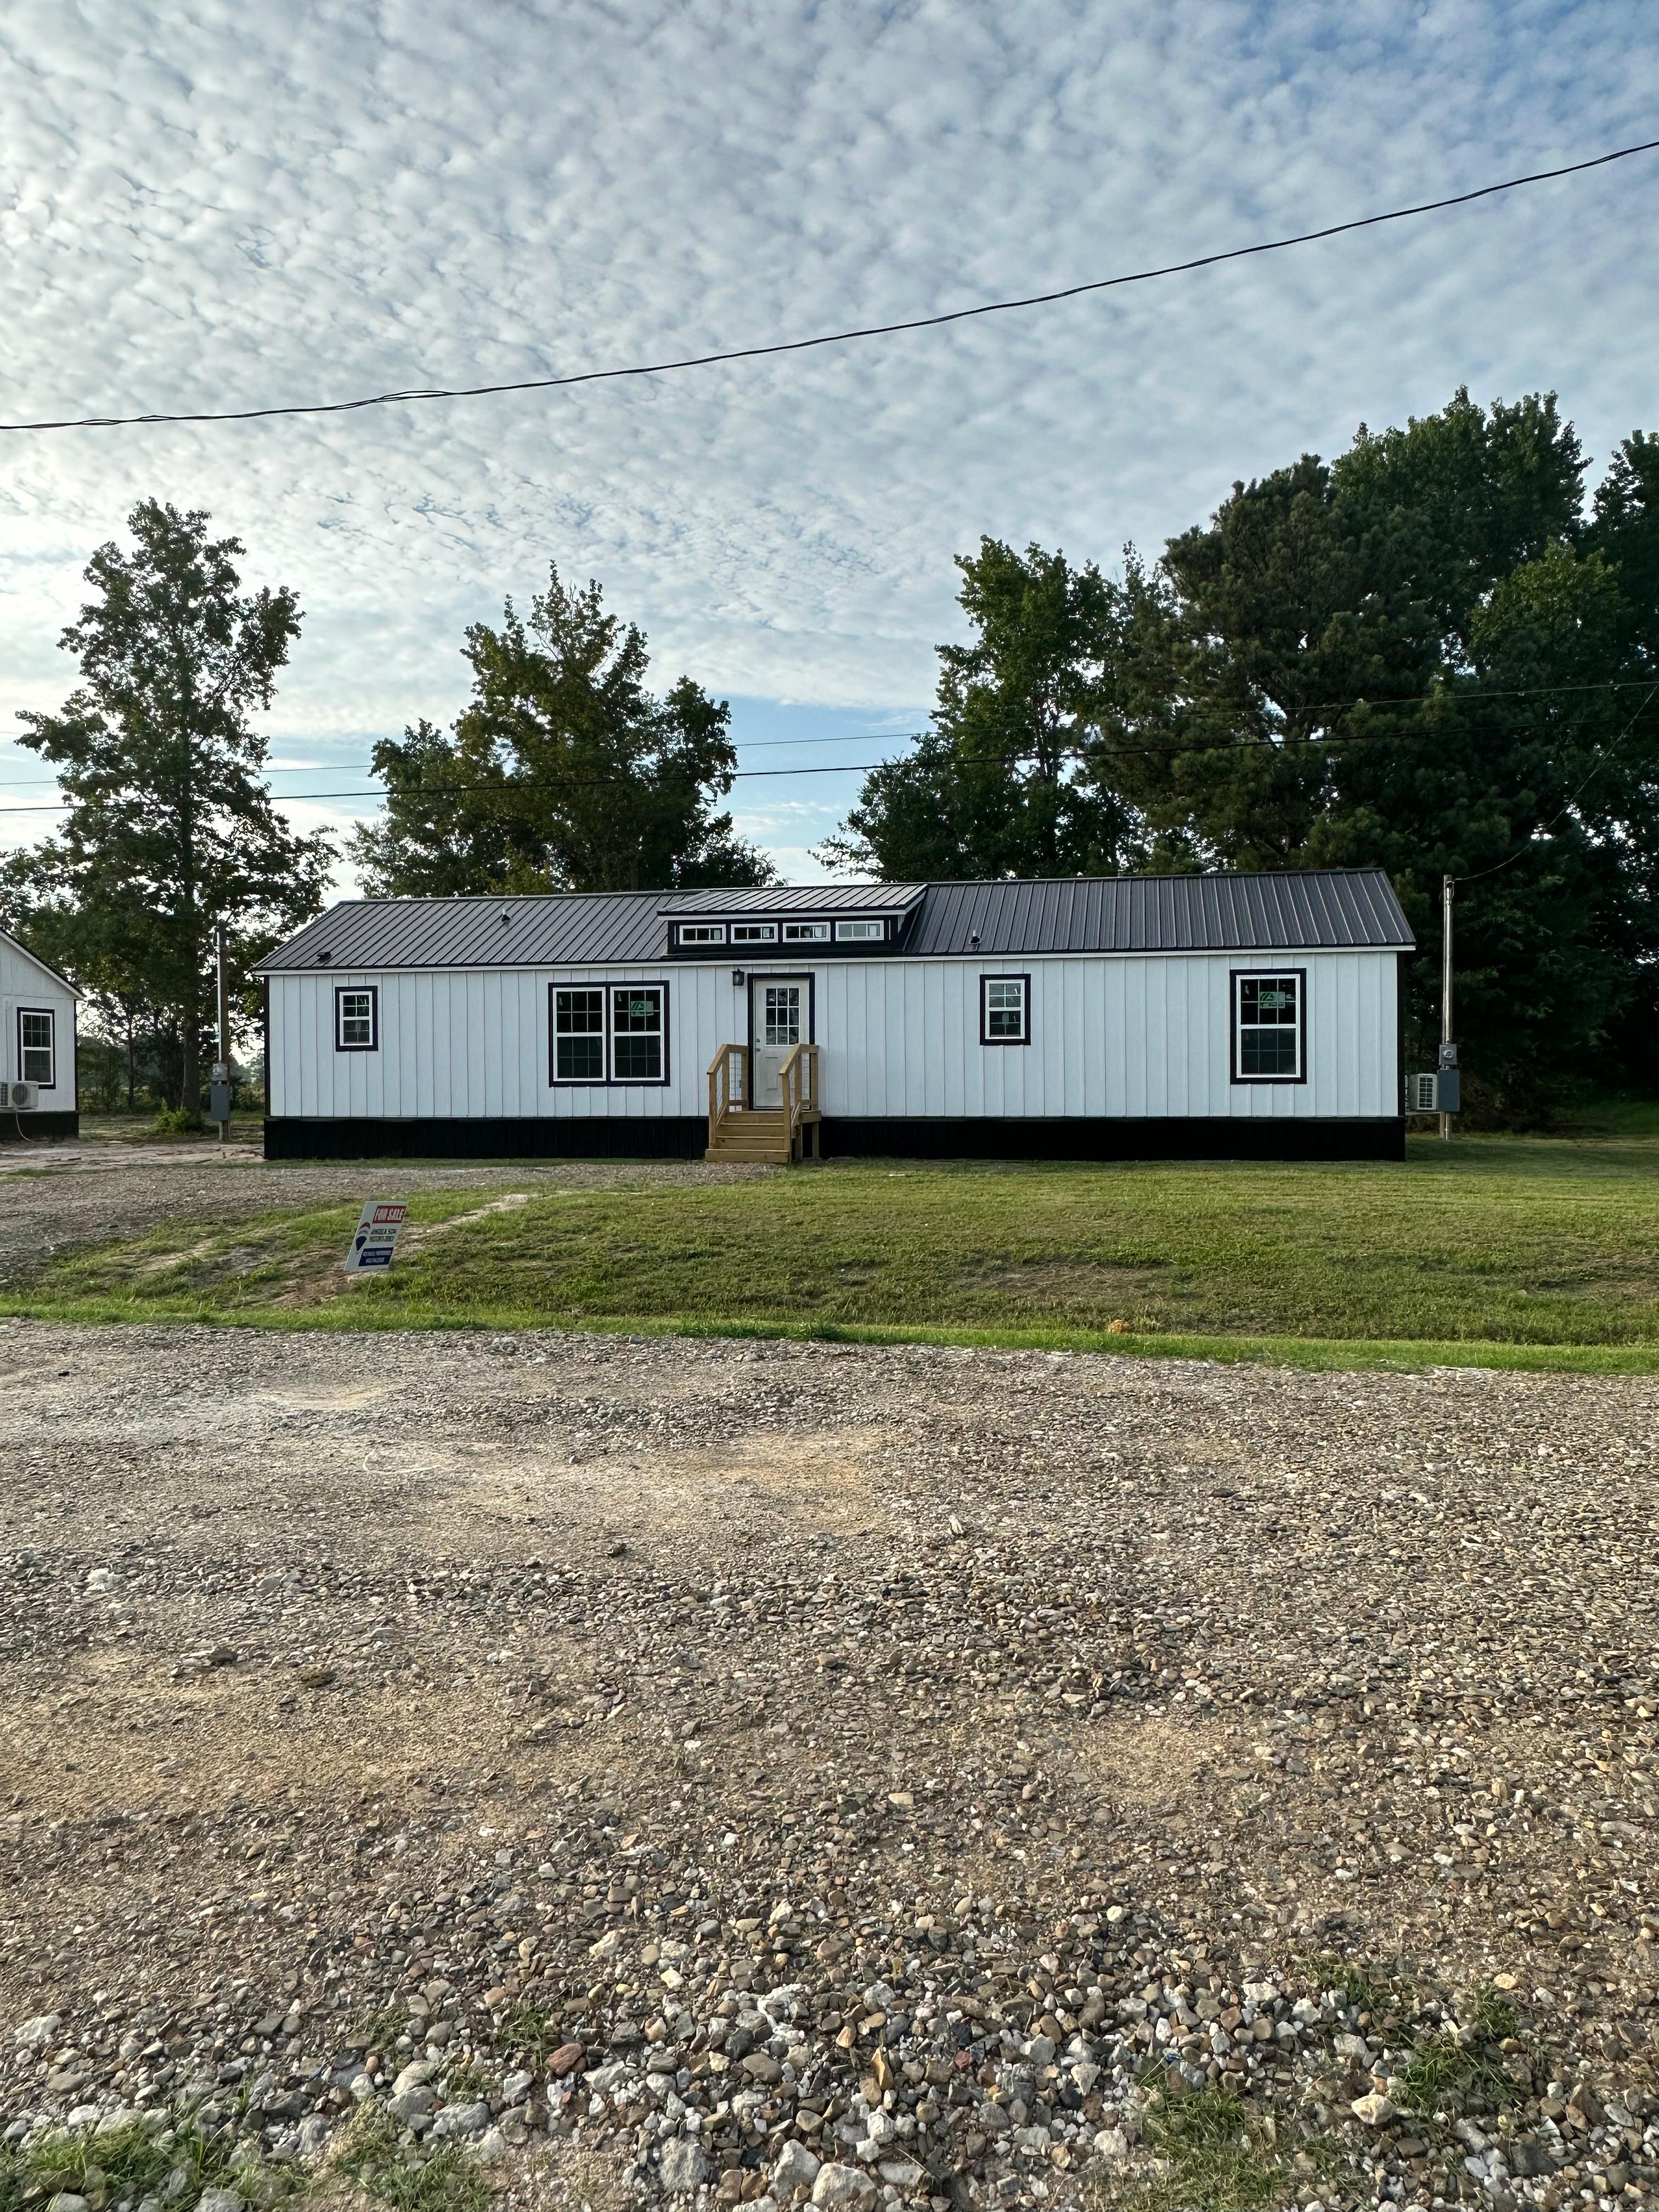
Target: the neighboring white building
(1081, 1018)
(37, 1047)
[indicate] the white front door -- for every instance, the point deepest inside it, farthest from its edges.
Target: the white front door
(775, 1012)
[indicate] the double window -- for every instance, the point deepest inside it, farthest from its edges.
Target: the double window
(357, 1018)
(702, 933)
(754, 933)
(1004, 1009)
(806, 933)
(1270, 1026)
(37, 1047)
(609, 1033)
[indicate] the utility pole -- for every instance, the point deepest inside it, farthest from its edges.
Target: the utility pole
(1448, 1052)
(221, 1074)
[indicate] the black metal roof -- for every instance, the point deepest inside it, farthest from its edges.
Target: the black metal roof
(1308, 910)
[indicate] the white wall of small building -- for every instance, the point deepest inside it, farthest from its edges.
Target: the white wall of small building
(1122, 1036)
(24, 984)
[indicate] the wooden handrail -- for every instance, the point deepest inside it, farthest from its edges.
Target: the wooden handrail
(798, 1077)
(728, 1086)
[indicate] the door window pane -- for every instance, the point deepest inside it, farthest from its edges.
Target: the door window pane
(579, 1037)
(636, 1033)
(780, 1020)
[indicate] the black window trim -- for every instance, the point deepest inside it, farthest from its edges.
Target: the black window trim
(1238, 975)
(372, 992)
(985, 1036)
(50, 1014)
(606, 985)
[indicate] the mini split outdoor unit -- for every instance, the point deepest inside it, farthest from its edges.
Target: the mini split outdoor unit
(19, 1096)
(1432, 1094)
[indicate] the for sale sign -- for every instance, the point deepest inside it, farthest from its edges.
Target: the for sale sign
(375, 1237)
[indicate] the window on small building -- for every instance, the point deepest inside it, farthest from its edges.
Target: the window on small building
(860, 932)
(702, 933)
(754, 933)
(579, 1037)
(806, 933)
(357, 1019)
(37, 1053)
(636, 1034)
(1005, 1009)
(1267, 1028)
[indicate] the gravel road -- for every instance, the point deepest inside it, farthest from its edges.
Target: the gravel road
(698, 1760)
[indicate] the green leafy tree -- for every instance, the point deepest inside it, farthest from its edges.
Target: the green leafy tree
(563, 772)
(1424, 655)
(1001, 784)
(170, 829)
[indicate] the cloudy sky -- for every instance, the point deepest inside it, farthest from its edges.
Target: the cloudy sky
(207, 205)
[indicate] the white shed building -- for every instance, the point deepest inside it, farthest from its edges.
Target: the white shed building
(1242, 1016)
(37, 1048)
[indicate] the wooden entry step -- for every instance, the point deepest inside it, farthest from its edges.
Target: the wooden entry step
(757, 1133)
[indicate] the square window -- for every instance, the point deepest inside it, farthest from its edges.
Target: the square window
(356, 1020)
(860, 932)
(806, 933)
(1005, 1009)
(636, 1033)
(36, 1046)
(579, 1037)
(1267, 1028)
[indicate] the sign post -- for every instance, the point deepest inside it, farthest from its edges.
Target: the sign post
(1448, 1049)
(375, 1237)
(220, 1094)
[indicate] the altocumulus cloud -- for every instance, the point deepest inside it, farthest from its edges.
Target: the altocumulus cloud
(205, 204)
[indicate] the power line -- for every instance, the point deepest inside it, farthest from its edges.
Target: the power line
(1174, 747)
(1568, 803)
(368, 768)
(1438, 698)
(840, 337)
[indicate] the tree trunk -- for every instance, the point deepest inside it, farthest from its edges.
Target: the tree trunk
(132, 1091)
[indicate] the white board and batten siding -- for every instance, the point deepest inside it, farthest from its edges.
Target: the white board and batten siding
(29, 989)
(1119, 1036)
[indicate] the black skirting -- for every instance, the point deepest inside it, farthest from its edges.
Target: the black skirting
(681, 1137)
(684, 1137)
(1119, 1138)
(16, 1128)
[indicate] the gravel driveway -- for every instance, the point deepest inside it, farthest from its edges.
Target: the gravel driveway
(897, 1758)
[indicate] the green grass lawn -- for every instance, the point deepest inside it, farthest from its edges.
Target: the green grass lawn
(1518, 1251)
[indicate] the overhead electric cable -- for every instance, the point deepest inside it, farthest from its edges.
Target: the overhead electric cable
(838, 338)
(1437, 698)
(1567, 804)
(1173, 747)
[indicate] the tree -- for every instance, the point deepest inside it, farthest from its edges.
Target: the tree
(563, 772)
(1424, 655)
(1001, 784)
(170, 829)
